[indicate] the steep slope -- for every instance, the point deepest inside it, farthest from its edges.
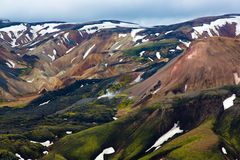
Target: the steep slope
(65, 52)
(208, 63)
(58, 53)
(118, 90)
(11, 66)
(194, 116)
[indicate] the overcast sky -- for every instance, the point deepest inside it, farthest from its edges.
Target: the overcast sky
(144, 12)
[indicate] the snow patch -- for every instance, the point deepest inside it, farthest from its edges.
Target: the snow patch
(45, 152)
(118, 47)
(109, 95)
(122, 35)
(138, 37)
(154, 92)
(31, 49)
(45, 28)
(109, 150)
(44, 103)
(224, 151)
(70, 50)
(88, 51)
(227, 103)
(168, 32)
(30, 81)
(175, 130)
(80, 33)
(214, 26)
(14, 32)
(1, 36)
(66, 36)
(150, 59)
(138, 79)
(68, 132)
(178, 48)
(46, 143)
(10, 64)
(114, 118)
(185, 87)
(52, 57)
(135, 36)
(158, 55)
(73, 59)
(90, 29)
(19, 157)
(141, 53)
(54, 52)
(187, 44)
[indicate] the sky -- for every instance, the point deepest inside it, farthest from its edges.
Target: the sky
(144, 12)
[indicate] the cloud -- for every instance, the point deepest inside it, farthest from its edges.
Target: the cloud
(146, 12)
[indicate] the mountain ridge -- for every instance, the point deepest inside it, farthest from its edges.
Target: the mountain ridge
(57, 40)
(81, 91)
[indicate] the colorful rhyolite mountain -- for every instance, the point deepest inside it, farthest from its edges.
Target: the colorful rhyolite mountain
(117, 90)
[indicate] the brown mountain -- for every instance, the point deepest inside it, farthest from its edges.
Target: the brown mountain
(207, 63)
(52, 55)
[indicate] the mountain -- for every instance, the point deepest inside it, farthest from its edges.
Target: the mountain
(207, 63)
(118, 90)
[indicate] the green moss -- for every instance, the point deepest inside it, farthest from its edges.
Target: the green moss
(126, 102)
(229, 128)
(184, 154)
(41, 135)
(53, 156)
(122, 83)
(85, 143)
(116, 87)
(150, 46)
(198, 144)
(17, 144)
(6, 155)
(24, 71)
(95, 111)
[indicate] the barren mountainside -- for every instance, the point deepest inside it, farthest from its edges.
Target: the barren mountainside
(121, 91)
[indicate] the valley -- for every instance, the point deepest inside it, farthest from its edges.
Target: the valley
(118, 90)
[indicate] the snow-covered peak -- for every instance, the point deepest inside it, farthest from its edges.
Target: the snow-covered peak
(134, 35)
(14, 32)
(92, 28)
(15, 28)
(45, 28)
(213, 28)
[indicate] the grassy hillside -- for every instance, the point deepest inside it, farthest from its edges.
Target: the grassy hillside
(133, 134)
